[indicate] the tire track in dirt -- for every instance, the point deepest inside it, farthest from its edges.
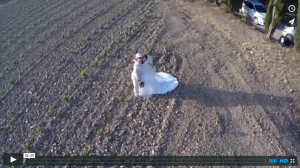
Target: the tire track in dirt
(236, 67)
(271, 122)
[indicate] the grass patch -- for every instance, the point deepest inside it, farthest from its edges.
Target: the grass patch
(14, 62)
(83, 74)
(85, 153)
(149, 52)
(120, 98)
(167, 46)
(110, 115)
(244, 20)
(100, 132)
(63, 60)
(1, 128)
(75, 85)
(72, 51)
(30, 64)
(199, 125)
(103, 53)
(127, 33)
(37, 41)
(95, 63)
(33, 90)
(44, 78)
(94, 32)
(26, 146)
(11, 81)
(39, 130)
(12, 112)
(52, 112)
(20, 72)
(130, 84)
(53, 68)
(111, 46)
(2, 92)
(119, 40)
(89, 38)
(65, 99)
(225, 8)
(6, 69)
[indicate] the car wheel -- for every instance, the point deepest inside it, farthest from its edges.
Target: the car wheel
(285, 41)
(282, 40)
(289, 36)
(255, 20)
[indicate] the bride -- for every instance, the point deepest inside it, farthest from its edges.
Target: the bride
(147, 81)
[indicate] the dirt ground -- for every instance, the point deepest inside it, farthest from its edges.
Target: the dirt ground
(238, 92)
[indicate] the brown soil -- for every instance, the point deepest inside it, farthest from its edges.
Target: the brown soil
(238, 93)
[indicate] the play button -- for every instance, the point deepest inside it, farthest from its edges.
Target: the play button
(12, 159)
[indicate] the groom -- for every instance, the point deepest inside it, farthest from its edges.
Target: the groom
(140, 62)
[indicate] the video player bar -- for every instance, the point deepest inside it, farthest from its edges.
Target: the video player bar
(162, 161)
(32, 160)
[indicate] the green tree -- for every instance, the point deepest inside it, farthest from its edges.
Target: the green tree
(297, 32)
(234, 5)
(274, 15)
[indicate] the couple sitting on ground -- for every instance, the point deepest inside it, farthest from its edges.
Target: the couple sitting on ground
(147, 81)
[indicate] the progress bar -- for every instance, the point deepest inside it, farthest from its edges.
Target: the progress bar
(162, 161)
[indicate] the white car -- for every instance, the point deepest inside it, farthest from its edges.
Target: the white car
(289, 32)
(255, 10)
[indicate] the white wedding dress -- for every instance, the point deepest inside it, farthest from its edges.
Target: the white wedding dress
(156, 82)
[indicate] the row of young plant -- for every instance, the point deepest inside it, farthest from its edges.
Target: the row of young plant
(52, 112)
(30, 48)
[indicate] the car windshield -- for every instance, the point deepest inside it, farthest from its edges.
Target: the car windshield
(260, 8)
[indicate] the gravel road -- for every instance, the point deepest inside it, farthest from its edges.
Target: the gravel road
(65, 81)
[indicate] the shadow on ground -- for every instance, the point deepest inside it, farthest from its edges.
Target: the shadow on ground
(284, 118)
(221, 98)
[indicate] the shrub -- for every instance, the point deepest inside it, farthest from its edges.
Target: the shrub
(52, 112)
(26, 146)
(75, 85)
(297, 32)
(85, 153)
(65, 99)
(95, 63)
(39, 130)
(83, 74)
(100, 132)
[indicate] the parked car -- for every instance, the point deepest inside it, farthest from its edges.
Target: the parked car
(288, 35)
(255, 10)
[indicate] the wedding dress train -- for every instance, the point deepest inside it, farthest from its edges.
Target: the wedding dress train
(156, 82)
